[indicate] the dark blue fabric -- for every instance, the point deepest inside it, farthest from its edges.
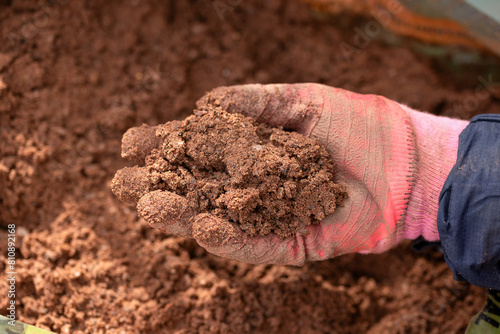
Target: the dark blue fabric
(469, 205)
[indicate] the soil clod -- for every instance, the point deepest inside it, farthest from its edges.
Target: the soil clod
(264, 179)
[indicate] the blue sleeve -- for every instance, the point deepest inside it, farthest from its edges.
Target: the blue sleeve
(469, 205)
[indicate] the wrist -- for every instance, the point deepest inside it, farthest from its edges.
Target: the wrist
(436, 144)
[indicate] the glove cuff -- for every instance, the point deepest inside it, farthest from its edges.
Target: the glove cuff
(436, 141)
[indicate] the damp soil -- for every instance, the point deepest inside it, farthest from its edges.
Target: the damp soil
(264, 179)
(74, 76)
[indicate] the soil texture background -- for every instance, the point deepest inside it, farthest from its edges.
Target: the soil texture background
(74, 76)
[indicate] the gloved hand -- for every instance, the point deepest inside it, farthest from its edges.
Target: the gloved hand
(394, 161)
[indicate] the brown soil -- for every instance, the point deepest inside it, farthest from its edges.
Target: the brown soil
(264, 179)
(74, 76)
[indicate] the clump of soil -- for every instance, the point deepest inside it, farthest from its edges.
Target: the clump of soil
(264, 179)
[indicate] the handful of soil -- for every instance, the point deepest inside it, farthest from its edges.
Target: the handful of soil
(263, 179)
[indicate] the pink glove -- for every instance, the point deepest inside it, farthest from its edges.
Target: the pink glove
(394, 161)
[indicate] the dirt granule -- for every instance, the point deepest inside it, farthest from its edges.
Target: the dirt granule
(265, 179)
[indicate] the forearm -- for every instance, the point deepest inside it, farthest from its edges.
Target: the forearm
(469, 205)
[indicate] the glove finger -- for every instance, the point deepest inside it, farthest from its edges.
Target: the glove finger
(138, 142)
(166, 211)
(222, 238)
(296, 107)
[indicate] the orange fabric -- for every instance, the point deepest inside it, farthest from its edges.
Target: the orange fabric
(404, 21)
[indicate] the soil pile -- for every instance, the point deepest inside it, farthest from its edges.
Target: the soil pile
(75, 75)
(264, 179)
